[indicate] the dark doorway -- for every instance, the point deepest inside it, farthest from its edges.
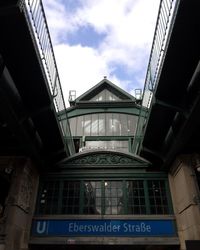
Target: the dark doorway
(192, 244)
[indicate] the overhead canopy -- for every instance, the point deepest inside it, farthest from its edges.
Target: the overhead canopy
(28, 120)
(173, 124)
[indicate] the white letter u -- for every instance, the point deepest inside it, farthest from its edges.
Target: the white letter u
(41, 228)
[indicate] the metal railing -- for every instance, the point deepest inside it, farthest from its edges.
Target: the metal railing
(35, 16)
(165, 20)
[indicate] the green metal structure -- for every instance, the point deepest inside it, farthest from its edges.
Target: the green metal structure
(104, 176)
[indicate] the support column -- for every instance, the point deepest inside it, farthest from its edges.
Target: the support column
(20, 203)
(185, 196)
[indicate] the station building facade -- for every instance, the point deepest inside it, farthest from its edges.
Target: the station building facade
(104, 194)
(116, 191)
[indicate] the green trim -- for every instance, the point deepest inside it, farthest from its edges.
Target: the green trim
(105, 138)
(109, 109)
(103, 106)
(104, 158)
(87, 175)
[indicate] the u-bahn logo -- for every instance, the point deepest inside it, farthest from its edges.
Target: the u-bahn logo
(41, 227)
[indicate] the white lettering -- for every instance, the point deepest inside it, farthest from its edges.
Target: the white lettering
(71, 227)
(148, 228)
(116, 228)
(41, 227)
(125, 226)
(105, 228)
(143, 227)
(139, 228)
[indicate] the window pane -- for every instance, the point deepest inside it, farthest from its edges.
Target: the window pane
(109, 124)
(121, 146)
(132, 122)
(116, 125)
(70, 197)
(72, 123)
(157, 197)
(87, 125)
(94, 125)
(48, 200)
(114, 200)
(124, 128)
(136, 198)
(102, 124)
(79, 125)
(92, 197)
(93, 145)
(105, 95)
(98, 197)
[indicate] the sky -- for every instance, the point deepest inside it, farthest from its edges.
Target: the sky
(97, 38)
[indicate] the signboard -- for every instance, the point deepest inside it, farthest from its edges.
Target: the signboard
(103, 228)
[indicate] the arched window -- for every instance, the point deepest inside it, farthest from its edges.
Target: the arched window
(104, 124)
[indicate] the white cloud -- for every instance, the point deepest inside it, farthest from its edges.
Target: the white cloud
(73, 61)
(79, 67)
(128, 26)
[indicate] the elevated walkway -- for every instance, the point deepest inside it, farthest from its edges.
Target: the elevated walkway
(29, 96)
(173, 119)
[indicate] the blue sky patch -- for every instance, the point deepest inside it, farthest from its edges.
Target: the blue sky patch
(71, 5)
(85, 36)
(77, 22)
(119, 71)
(131, 77)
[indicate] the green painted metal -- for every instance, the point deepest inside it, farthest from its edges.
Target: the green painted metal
(107, 109)
(105, 138)
(105, 158)
(56, 208)
(120, 175)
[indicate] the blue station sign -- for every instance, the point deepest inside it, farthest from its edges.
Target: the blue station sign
(124, 228)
